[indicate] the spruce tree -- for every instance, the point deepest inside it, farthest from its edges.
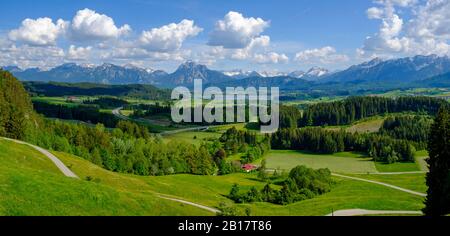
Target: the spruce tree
(438, 178)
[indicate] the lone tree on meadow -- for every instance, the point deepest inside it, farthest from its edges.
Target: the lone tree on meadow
(438, 178)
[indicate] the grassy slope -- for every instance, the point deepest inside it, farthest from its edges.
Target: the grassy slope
(421, 157)
(31, 185)
(346, 194)
(345, 162)
(15, 156)
(56, 101)
(211, 190)
(185, 186)
(194, 137)
(27, 191)
(415, 182)
(371, 124)
(397, 167)
(214, 132)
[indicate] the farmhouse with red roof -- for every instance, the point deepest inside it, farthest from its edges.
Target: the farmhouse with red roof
(249, 167)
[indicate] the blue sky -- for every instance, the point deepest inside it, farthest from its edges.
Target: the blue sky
(258, 35)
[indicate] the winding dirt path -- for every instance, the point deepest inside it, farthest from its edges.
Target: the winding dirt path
(362, 212)
(117, 113)
(214, 210)
(63, 168)
(67, 172)
(393, 173)
(381, 183)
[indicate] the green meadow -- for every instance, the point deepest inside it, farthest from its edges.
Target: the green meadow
(345, 162)
(212, 190)
(415, 182)
(30, 185)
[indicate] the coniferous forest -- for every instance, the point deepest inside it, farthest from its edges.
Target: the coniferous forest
(356, 108)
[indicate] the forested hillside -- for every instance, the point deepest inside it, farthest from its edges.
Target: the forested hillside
(413, 128)
(382, 148)
(128, 148)
(86, 113)
(355, 108)
(17, 118)
(89, 89)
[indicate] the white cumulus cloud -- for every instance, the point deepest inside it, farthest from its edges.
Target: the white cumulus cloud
(256, 44)
(258, 51)
(426, 32)
(325, 55)
(90, 25)
(432, 21)
(26, 56)
(375, 13)
(169, 37)
(271, 58)
(38, 32)
(78, 53)
(236, 31)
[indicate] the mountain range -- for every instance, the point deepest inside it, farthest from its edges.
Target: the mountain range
(314, 73)
(104, 74)
(396, 70)
(409, 70)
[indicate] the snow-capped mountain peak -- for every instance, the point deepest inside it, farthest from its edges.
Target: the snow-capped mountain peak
(371, 63)
(317, 71)
(297, 74)
(240, 74)
(88, 65)
(272, 73)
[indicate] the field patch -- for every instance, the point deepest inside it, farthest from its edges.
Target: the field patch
(371, 125)
(194, 137)
(421, 157)
(397, 167)
(415, 182)
(345, 162)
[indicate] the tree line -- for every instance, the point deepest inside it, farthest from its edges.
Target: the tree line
(247, 142)
(145, 110)
(315, 139)
(351, 109)
(128, 148)
(106, 102)
(58, 89)
(86, 113)
(413, 128)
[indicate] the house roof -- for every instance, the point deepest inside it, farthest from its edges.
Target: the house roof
(248, 167)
